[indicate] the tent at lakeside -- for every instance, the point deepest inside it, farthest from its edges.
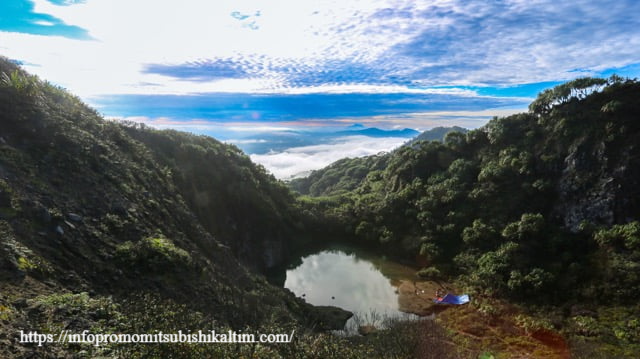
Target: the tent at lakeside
(452, 299)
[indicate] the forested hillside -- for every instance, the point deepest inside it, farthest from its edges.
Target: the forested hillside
(234, 199)
(436, 134)
(347, 174)
(542, 206)
(114, 228)
(539, 207)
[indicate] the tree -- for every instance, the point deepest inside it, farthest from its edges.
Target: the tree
(528, 227)
(479, 235)
(579, 89)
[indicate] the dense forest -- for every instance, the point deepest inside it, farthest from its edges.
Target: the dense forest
(345, 174)
(116, 227)
(540, 208)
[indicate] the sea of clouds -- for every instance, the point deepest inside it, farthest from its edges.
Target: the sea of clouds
(300, 161)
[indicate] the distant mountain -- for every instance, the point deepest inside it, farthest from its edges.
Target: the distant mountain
(356, 126)
(282, 140)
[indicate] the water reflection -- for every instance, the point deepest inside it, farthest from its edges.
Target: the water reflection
(333, 277)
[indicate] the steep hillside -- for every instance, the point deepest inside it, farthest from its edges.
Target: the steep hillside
(341, 176)
(118, 228)
(112, 228)
(539, 207)
(348, 173)
(568, 166)
(235, 200)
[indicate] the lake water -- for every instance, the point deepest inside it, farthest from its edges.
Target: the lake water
(361, 283)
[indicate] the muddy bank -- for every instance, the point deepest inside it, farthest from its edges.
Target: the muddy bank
(417, 297)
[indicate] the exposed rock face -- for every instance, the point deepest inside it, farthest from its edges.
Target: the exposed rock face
(584, 189)
(599, 184)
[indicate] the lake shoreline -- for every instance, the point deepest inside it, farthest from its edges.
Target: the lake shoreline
(359, 281)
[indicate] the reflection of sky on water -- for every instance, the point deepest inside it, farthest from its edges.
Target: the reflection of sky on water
(355, 283)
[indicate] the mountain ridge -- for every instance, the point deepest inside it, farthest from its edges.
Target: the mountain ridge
(283, 140)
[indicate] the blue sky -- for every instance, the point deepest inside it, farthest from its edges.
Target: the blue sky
(213, 66)
(386, 62)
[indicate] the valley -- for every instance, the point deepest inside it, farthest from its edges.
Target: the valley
(113, 226)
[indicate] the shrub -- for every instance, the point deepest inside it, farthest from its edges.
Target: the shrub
(627, 235)
(430, 273)
(156, 253)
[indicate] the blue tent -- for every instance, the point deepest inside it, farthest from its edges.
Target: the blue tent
(453, 299)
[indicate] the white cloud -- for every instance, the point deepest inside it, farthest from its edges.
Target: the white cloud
(298, 161)
(382, 89)
(43, 23)
(427, 43)
(245, 141)
(422, 121)
(130, 34)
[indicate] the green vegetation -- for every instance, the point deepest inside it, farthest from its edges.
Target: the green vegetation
(437, 134)
(347, 174)
(155, 253)
(539, 208)
(119, 211)
(121, 228)
(425, 339)
(340, 177)
(502, 206)
(234, 199)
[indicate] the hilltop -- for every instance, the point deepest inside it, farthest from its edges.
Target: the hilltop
(346, 174)
(437, 134)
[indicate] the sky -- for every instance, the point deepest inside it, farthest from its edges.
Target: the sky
(216, 67)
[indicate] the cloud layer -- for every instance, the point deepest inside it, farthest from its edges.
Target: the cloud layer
(299, 161)
(198, 46)
(216, 67)
(394, 62)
